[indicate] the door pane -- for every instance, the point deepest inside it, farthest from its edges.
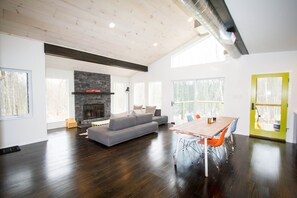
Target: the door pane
(268, 101)
(268, 118)
(269, 90)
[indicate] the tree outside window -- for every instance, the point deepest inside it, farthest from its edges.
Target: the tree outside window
(14, 99)
(203, 96)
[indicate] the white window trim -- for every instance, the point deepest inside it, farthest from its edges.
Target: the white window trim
(30, 98)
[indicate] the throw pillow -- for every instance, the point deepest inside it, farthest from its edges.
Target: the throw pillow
(158, 112)
(137, 107)
(138, 111)
(150, 109)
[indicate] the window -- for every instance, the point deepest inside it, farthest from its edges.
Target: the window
(155, 94)
(203, 51)
(139, 93)
(15, 89)
(120, 97)
(57, 100)
(204, 97)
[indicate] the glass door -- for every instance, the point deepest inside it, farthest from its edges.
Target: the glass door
(269, 103)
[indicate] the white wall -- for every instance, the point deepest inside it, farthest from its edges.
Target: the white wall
(237, 74)
(62, 74)
(19, 53)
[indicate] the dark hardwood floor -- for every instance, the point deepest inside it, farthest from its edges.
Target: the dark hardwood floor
(70, 165)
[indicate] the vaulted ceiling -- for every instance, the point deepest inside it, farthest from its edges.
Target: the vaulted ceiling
(84, 25)
(265, 26)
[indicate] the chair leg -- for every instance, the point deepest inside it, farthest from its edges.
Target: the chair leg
(215, 158)
(226, 152)
(175, 154)
(201, 151)
(232, 142)
(186, 145)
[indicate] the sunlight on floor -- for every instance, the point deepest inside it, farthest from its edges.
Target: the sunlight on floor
(265, 161)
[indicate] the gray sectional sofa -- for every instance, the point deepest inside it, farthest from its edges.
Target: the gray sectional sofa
(123, 129)
(161, 119)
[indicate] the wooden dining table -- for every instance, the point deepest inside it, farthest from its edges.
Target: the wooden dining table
(202, 128)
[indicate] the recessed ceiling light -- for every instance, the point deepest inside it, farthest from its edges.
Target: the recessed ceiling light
(111, 25)
(190, 19)
(155, 44)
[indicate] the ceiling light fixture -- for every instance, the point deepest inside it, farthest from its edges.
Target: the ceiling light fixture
(111, 25)
(155, 44)
(190, 19)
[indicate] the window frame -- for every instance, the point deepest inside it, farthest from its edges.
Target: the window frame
(189, 47)
(198, 101)
(29, 95)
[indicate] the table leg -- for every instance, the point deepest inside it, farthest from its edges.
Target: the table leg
(176, 150)
(205, 157)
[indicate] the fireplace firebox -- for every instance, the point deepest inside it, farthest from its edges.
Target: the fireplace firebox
(92, 111)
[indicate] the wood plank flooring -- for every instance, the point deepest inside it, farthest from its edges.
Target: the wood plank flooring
(70, 165)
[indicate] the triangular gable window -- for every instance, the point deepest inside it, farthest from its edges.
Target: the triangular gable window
(203, 51)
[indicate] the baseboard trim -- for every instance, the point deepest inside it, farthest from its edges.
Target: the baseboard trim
(266, 138)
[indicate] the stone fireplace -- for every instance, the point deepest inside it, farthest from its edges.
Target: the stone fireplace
(91, 107)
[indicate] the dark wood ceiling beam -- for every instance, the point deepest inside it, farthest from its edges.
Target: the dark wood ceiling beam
(64, 52)
(225, 16)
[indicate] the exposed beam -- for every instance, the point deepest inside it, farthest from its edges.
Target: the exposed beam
(224, 14)
(92, 58)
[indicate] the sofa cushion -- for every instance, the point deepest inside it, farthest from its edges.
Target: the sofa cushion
(122, 123)
(160, 119)
(150, 109)
(124, 114)
(143, 118)
(104, 136)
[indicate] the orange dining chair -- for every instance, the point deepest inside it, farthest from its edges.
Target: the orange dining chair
(197, 116)
(214, 144)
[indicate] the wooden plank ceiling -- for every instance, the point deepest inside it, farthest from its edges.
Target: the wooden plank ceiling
(83, 25)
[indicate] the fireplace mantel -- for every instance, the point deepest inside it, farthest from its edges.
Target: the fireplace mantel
(98, 93)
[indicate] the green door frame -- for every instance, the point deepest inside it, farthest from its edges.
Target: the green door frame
(281, 135)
